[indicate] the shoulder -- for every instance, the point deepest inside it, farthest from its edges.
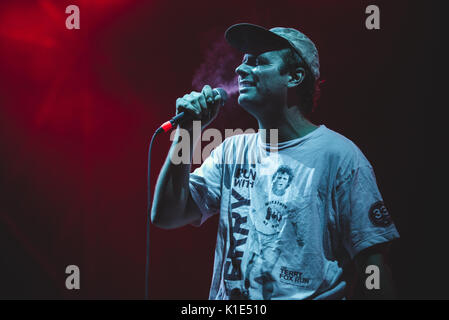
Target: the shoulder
(343, 149)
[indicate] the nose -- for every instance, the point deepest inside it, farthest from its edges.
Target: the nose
(243, 70)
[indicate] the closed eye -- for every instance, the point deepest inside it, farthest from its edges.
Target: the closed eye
(249, 60)
(261, 61)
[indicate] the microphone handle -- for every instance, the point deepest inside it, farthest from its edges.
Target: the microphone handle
(178, 118)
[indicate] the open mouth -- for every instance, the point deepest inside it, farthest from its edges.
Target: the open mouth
(246, 84)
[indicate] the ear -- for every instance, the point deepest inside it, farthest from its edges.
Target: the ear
(296, 78)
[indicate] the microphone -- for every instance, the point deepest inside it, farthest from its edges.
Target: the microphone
(180, 117)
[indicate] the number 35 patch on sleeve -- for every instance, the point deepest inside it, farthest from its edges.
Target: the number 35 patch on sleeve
(379, 216)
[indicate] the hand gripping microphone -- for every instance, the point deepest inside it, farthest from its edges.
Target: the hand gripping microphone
(173, 122)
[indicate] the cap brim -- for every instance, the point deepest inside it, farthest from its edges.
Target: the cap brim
(253, 39)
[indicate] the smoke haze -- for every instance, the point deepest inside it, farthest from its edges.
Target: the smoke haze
(218, 68)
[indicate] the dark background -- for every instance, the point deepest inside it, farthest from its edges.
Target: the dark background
(78, 108)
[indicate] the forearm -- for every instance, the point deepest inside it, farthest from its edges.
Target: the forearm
(172, 188)
(172, 205)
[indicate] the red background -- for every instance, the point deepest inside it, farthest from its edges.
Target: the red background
(78, 108)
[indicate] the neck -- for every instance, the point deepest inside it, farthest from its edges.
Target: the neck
(290, 123)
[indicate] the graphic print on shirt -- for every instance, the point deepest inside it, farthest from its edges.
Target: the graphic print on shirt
(277, 198)
(379, 216)
(275, 208)
(244, 177)
(293, 277)
(278, 225)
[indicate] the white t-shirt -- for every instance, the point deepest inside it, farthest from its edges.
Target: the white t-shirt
(290, 217)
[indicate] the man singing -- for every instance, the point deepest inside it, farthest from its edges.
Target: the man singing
(294, 213)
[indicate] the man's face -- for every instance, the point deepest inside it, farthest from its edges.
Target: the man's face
(281, 181)
(260, 81)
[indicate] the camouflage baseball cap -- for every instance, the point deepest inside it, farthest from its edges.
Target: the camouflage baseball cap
(253, 39)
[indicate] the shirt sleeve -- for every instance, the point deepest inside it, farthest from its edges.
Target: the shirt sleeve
(364, 217)
(205, 185)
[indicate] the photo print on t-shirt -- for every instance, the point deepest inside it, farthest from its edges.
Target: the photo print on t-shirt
(280, 191)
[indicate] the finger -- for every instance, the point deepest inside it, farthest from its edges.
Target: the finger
(180, 105)
(208, 94)
(203, 104)
(217, 100)
(193, 100)
(184, 105)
